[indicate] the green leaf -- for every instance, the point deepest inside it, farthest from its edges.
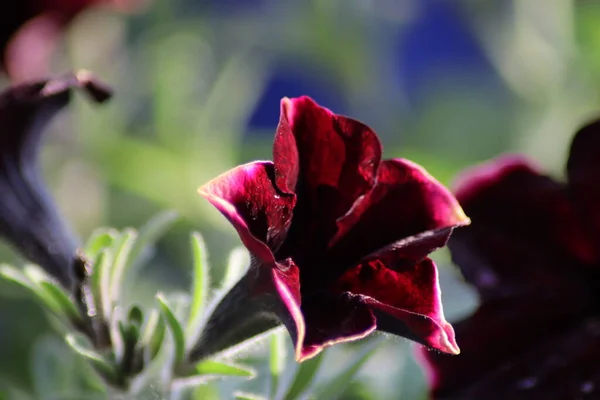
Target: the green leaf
(81, 346)
(238, 263)
(14, 275)
(65, 303)
(150, 233)
(129, 362)
(335, 387)
(100, 282)
(46, 287)
(132, 329)
(153, 335)
(211, 367)
(130, 333)
(121, 250)
(305, 375)
(99, 240)
(206, 392)
(157, 355)
(277, 358)
(116, 337)
(135, 316)
(174, 328)
(199, 289)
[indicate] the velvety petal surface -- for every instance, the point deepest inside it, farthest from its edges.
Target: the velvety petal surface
(328, 160)
(524, 228)
(332, 319)
(562, 367)
(503, 333)
(405, 202)
(528, 251)
(259, 211)
(583, 170)
(394, 283)
(28, 216)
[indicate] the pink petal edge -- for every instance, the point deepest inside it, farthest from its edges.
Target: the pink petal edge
(309, 352)
(459, 218)
(257, 247)
(294, 310)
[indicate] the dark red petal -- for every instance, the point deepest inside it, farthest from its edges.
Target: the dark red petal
(583, 170)
(285, 152)
(248, 198)
(502, 332)
(28, 217)
(330, 320)
(394, 284)
(327, 159)
(562, 367)
(318, 321)
(405, 202)
(524, 226)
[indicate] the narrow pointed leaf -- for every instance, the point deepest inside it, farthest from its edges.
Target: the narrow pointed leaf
(174, 327)
(46, 288)
(122, 249)
(237, 264)
(116, 337)
(16, 276)
(153, 335)
(135, 316)
(335, 387)
(211, 367)
(66, 304)
(157, 354)
(100, 239)
(79, 345)
(150, 233)
(130, 334)
(100, 282)
(277, 358)
(199, 289)
(305, 375)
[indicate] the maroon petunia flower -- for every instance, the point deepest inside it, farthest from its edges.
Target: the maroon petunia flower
(339, 238)
(29, 220)
(30, 29)
(533, 253)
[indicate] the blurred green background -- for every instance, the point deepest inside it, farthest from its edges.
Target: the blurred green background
(198, 83)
